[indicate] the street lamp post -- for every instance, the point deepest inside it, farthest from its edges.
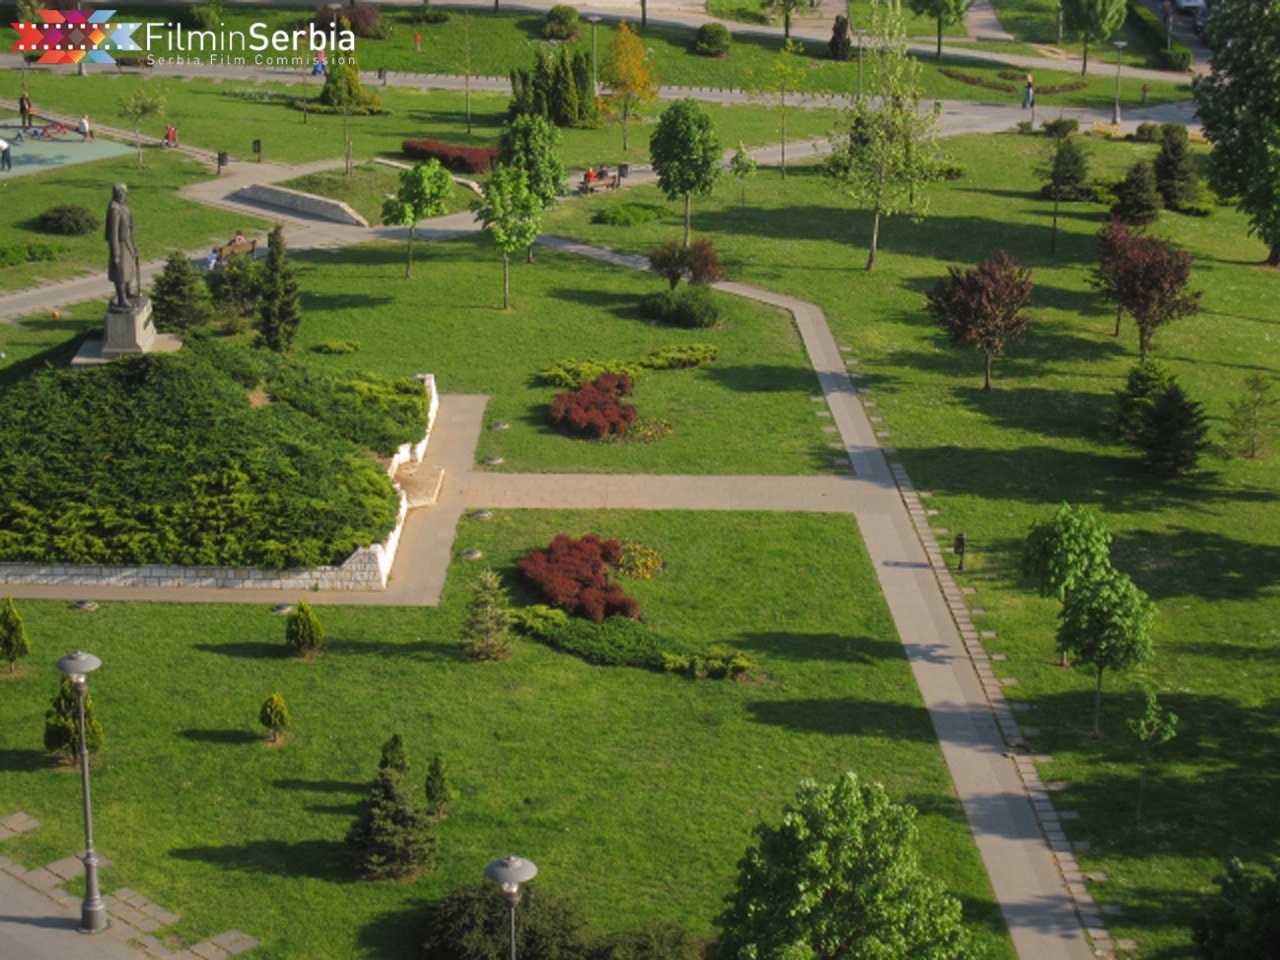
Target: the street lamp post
(509, 873)
(93, 912)
(861, 34)
(595, 86)
(1059, 22)
(1120, 45)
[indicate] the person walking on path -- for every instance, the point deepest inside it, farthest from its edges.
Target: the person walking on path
(6, 156)
(1029, 94)
(83, 128)
(24, 109)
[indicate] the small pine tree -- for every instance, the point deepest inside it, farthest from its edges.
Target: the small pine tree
(274, 715)
(394, 755)
(391, 837)
(1146, 381)
(1175, 168)
(14, 642)
(303, 632)
(236, 286)
(1067, 172)
(279, 311)
(487, 634)
(1137, 198)
(1254, 419)
(179, 296)
(62, 723)
(439, 792)
(840, 46)
(1175, 433)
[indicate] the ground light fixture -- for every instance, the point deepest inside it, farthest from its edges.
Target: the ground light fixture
(509, 873)
(93, 912)
(1120, 45)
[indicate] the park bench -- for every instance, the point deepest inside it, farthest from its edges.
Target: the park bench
(232, 249)
(600, 183)
(1106, 129)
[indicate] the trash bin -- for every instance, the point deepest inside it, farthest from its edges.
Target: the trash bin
(624, 170)
(382, 75)
(223, 159)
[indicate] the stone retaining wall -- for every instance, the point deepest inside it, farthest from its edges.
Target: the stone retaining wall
(366, 569)
(305, 203)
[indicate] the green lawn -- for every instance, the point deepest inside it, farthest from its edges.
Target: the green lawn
(634, 792)
(1205, 547)
(367, 189)
(165, 221)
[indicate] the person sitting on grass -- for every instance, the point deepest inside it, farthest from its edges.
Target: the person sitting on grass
(171, 136)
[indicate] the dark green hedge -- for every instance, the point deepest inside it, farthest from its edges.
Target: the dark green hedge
(163, 459)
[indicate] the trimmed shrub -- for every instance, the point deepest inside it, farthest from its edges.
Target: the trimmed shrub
(62, 723)
(712, 40)
(429, 14)
(1062, 127)
(570, 373)
(303, 632)
(703, 263)
(69, 221)
(653, 943)
(365, 19)
(617, 641)
(595, 409)
(16, 253)
(951, 170)
(561, 23)
(471, 923)
(574, 576)
(1147, 133)
(274, 715)
(337, 347)
(629, 214)
(457, 159)
(719, 663)
(840, 46)
(439, 792)
(1178, 56)
(679, 358)
(691, 307)
(538, 620)
(670, 261)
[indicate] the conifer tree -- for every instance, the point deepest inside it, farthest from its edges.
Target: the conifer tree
(439, 792)
(1175, 433)
(1175, 168)
(391, 837)
(303, 632)
(14, 642)
(1137, 199)
(394, 755)
(279, 310)
(179, 296)
(1254, 419)
(62, 723)
(487, 634)
(274, 715)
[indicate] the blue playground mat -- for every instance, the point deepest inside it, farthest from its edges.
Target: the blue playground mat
(37, 156)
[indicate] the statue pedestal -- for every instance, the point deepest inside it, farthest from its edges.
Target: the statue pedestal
(129, 333)
(129, 329)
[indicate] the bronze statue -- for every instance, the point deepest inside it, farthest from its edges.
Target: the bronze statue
(122, 270)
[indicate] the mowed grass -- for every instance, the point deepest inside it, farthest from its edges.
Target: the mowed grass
(634, 792)
(1207, 548)
(748, 412)
(165, 221)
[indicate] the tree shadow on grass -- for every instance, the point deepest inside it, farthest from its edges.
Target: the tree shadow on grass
(320, 786)
(826, 647)
(1039, 410)
(248, 649)
(227, 737)
(846, 716)
(1179, 561)
(618, 304)
(392, 935)
(763, 378)
(23, 761)
(343, 301)
(315, 859)
(421, 650)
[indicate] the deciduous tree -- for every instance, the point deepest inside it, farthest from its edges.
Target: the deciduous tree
(1239, 107)
(1152, 287)
(942, 12)
(983, 307)
(1066, 550)
(686, 155)
(424, 188)
(1094, 20)
(1254, 419)
(628, 73)
(839, 876)
(530, 143)
(742, 166)
(14, 642)
(885, 152)
(1114, 246)
(142, 104)
(512, 216)
(784, 78)
(1106, 624)
(279, 306)
(1153, 728)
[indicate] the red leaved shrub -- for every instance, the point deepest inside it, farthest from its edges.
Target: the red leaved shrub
(457, 159)
(574, 576)
(595, 409)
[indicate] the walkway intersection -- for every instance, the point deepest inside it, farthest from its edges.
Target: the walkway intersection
(1036, 880)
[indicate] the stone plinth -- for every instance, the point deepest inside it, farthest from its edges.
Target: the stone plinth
(129, 329)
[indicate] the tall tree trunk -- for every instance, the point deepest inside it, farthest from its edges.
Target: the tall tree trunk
(784, 136)
(688, 218)
(1084, 67)
(1144, 344)
(986, 382)
(1274, 259)
(939, 53)
(644, 13)
(786, 25)
(1053, 237)
(506, 281)
(1142, 783)
(875, 237)
(1097, 707)
(408, 263)
(1119, 311)
(626, 117)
